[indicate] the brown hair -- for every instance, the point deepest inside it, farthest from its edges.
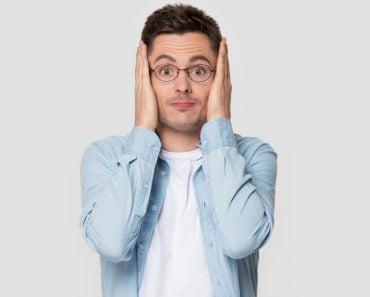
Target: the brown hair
(180, 19)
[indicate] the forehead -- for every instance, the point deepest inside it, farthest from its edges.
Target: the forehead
(181, 47)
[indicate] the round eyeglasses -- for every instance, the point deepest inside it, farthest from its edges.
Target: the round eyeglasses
(169, 72)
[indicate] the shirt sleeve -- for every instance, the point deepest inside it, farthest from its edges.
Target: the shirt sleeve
(242, 188)
(115, 193)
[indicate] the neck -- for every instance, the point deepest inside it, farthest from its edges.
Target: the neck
(178, 141)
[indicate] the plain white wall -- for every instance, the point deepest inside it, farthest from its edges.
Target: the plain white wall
(300, 72)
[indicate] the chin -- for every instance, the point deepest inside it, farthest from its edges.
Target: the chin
(182, 126)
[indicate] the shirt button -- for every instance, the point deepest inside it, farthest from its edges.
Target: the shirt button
(162, 172)
(141, 246)
(154, 207)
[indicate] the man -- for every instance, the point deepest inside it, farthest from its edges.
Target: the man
(181, 205)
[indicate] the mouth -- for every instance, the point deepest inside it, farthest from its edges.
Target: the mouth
(182, 105)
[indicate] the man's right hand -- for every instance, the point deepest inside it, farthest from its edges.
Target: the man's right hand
(146, 110)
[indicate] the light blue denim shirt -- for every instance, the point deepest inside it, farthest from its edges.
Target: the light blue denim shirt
(123, 185)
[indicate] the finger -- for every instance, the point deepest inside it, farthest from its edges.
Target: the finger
(145, 63)
(221, 61)
(138, 63)
(227, 63)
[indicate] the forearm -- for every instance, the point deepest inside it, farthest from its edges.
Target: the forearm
(115, 194)
(242, 188)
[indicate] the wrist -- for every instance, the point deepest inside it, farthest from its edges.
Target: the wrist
(145, 125)
(219, 115)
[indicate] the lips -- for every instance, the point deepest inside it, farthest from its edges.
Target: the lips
(183, 105)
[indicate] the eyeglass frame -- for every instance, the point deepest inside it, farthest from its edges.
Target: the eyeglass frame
(184, 69)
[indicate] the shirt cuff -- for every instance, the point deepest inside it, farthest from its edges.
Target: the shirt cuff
(215, 134)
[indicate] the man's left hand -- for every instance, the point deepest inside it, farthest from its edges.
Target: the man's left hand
(220, 93)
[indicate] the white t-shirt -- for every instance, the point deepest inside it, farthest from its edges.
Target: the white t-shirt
(176, 263)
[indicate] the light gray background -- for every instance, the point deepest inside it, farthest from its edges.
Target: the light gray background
(300, 74)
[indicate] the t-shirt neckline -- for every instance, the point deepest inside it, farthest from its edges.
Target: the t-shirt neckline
(189, 155)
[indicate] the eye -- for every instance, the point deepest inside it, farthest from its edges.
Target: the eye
(166, 70)
(199, 70)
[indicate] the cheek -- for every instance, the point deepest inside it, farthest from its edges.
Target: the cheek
(204, 92)
(161, 92)
(157, 88)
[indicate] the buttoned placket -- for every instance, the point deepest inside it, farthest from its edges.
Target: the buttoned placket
(222, 287)
(155, 204)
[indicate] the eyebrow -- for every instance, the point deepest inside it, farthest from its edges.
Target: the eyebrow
(192, 59)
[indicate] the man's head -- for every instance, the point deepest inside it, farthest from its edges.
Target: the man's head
(183, 36)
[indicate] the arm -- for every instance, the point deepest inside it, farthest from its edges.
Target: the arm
(115, 193)
(242, 186)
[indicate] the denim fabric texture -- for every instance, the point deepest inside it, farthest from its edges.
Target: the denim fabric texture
(123, 184)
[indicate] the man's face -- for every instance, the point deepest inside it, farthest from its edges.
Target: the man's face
(182, 103)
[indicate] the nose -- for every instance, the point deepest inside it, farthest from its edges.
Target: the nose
(182, 82)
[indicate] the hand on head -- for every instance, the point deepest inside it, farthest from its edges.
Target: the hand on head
(220, 94)
(146, 110)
